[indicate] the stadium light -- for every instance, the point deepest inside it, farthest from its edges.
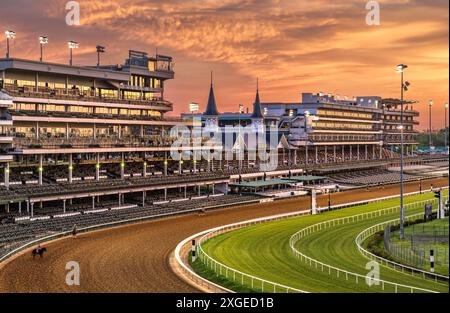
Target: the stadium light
(43, 40)
(72, 45)
(446, 127)
(401, 68)
(9, 35)
(403, 87)
(100, 49)
(430, 140)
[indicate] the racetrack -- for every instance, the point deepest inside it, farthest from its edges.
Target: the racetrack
(135, 258)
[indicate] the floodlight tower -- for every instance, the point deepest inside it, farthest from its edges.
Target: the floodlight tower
(43, 40)
(72, 45)
(9, 35)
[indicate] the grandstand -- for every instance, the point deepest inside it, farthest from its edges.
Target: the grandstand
(87, 145)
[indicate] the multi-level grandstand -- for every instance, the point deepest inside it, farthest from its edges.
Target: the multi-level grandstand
(88, 145)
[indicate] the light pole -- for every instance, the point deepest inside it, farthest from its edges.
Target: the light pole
(43, 40)
(445, 128)
(430, 141)
(72, 45)
(401, 69)
(241, 109)
(100, 49)
(9, 35)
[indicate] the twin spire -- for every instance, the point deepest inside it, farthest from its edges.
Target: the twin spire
(211, 107)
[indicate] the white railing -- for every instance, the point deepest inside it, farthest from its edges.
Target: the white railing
(346, 220)
(239, 277)
(219, 267)
(362, 236)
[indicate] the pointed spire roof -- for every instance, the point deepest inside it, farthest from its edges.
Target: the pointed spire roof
(211, 107)
(257, 113)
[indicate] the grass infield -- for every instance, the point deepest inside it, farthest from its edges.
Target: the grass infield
(263, 251)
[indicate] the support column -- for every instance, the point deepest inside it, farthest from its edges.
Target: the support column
(317, 155)
(7, 207)
(70, 168)
(306, 154)
(213, 188)
(165, 163)
(334, 154)
(195, 164)
(351, 153)
(144, 169)
(199, 188)
(32, 209)
(144, 196)
(367, 154)
(97, 168)
(20, 208)
(357, 152)
(180, 167)
(381, 152)
(41, 168)
(94, 132)
(64, 206)
(165, 194)
(373, 152)
(185, 192)
(122, 167)
(67, 131)
(295, 157)
(326, 154)
(6, 174)
(120, 199)
(28, 206)
(36, 133)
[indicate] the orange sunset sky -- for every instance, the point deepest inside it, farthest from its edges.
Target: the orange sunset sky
(293, 46)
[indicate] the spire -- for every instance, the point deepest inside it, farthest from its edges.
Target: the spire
(257, 113)
(211, 108)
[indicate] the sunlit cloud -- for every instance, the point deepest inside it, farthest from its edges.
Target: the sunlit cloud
(292, 46)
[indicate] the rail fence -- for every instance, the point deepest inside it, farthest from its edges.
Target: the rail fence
(257, 283)
(332, 270)
(397, 266)
(415, 249)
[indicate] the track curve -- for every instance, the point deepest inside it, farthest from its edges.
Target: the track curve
(135, 258)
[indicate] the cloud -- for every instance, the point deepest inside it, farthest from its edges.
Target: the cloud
(292, 46)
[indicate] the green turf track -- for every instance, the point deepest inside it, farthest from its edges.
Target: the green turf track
(263, 251)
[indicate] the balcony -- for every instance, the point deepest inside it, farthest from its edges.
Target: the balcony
(344, 138)
(76, 95)
(101, 141)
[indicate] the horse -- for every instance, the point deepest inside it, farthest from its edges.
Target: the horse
(39, 251)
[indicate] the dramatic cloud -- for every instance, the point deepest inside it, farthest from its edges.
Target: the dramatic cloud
(293, 46)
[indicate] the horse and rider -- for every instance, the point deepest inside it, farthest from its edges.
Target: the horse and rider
(38, 251)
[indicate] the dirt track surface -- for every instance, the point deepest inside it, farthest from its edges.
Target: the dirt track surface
(135, 258)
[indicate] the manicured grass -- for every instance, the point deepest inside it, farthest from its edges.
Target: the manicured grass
(422, 256)
(263, 251)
